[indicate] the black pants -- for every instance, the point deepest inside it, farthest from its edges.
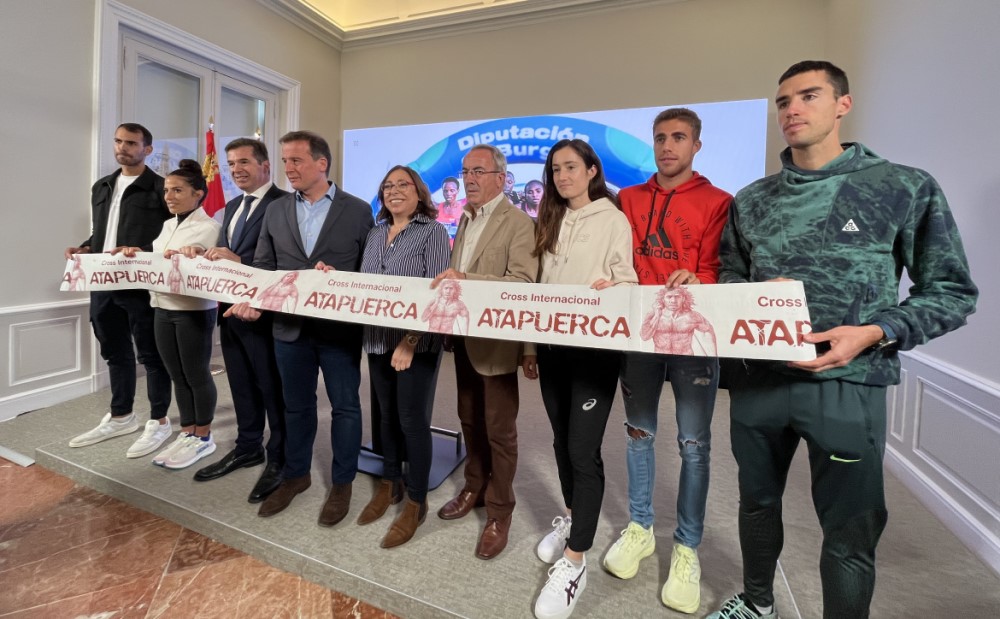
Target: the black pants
(184, 339)
(248, 349)
(578, 389)
(405, 405)
(843, 425)
(119, 318)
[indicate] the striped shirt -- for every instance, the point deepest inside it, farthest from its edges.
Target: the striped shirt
(421, 249)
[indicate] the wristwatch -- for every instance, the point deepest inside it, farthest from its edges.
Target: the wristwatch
(888, 338)
(412, 339)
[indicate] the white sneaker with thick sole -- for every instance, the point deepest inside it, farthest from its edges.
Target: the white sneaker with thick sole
(551, 548)
(153, 435)
(193, 448)
(560, 593)
(682, 591)
(108, 428)
(161, 457)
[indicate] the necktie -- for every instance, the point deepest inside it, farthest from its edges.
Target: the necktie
(241, 221)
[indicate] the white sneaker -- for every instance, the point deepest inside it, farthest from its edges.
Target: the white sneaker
(552, 545)
(161, 457)
(190, 451)
(153, 435)
(560, 593)
(108, 428)
(682, 591)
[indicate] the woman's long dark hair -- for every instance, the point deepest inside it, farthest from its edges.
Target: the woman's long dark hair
(553, 206)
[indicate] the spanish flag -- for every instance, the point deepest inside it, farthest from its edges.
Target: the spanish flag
(215, 200)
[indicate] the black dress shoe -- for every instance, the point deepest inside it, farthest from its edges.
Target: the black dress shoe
(269, 481)
(229, 463)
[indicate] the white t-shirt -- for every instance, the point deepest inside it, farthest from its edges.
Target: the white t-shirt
(114, 213)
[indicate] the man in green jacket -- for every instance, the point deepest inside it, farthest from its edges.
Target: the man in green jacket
(846, 223)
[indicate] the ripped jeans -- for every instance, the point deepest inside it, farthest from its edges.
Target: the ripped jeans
(695, 381)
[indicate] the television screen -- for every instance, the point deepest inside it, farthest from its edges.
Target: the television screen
(732, 154)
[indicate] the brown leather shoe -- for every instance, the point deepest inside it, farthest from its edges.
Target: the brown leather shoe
(337, 505)
(388, 493)
(494, 538)
(282, 497)
(461, 505)
(405, 524)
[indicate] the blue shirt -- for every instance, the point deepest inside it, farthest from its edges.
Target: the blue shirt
(311, 216)
(420, 250)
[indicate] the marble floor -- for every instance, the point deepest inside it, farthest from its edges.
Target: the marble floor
(70, 552)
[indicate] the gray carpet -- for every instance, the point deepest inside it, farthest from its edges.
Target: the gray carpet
(923, 569)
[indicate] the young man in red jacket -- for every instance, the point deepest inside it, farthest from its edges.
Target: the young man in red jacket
(677, 218)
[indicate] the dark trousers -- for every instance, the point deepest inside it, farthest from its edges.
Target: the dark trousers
(405, 420)
(843, 425)
(120, 317)
(299, 363)
(248, 350)
(578, 388)
(184, 339)
(487, 408)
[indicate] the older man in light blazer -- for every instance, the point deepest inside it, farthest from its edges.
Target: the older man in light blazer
(494, 242)
(319, 225)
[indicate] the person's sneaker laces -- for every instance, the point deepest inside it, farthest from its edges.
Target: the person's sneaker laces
(153, 435)
(193, 448)
(635, 544)
(161, 457)
(108, 428)
(737, 607)
(563, 588)
(682, 591)
(552, 545)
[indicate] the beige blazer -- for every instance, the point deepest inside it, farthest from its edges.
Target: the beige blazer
(502, 254)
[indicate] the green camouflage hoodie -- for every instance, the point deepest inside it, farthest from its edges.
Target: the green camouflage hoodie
(847, 231)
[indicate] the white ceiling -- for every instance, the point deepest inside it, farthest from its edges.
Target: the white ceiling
(346, 24)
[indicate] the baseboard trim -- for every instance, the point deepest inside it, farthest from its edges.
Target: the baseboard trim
(981, 541)
(14, 405)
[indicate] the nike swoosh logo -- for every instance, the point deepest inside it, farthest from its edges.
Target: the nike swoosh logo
(835, 458)
(589, 404)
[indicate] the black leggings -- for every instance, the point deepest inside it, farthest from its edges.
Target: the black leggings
(184, 339)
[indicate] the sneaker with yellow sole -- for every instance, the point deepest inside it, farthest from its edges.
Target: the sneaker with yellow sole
(682, 591)
(635, 544)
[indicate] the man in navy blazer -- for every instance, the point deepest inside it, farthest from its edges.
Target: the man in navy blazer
(319, 225)
(247, 347)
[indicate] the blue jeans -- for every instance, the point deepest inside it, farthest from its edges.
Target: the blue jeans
(695, 381)
(299, 363)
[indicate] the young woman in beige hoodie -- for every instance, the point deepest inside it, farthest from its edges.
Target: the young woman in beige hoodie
(582, 238)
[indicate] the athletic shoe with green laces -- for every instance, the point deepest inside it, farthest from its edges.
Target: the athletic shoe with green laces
(736, 608)
(682, 591)
(635, 544)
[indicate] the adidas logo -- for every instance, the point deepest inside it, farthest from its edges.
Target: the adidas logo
(850, 226)
(657, 245)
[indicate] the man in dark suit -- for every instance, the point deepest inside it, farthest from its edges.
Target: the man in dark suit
(494, 242)
(248, 347)
(128, 210)
(319, 225)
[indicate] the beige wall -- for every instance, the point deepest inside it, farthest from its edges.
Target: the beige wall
(688, 52)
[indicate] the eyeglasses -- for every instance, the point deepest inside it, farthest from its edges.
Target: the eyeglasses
(402, 186)
(478, 172)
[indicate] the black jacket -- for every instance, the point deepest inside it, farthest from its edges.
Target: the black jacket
(141, 214)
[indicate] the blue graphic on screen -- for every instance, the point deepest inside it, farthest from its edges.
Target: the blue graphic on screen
(733, 135)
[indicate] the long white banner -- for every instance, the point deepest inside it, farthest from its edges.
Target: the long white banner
(753, 321)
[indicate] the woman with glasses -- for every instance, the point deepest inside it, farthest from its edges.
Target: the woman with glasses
(406, 241)
(582, 238)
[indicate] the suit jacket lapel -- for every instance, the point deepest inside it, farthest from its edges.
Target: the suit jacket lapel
(497, 218)
(336, 210)
(293, 224)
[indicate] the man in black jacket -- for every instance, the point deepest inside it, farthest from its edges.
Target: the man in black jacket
(128, 211)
